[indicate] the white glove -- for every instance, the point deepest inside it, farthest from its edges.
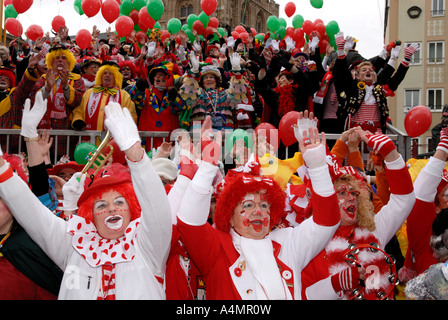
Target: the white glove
(121, 125)
(315, 157)
(275, 46)
(268, 43)
(313, 44)
(395, 52)
(194, 63)
(383, 54)
(151, 51)
(196, 46)
(290, 44)
(223, 49)
(349, 43)
(72, 190)
(31, 118)
(302, 125)
(230, 41)
(181, 53)
(235, 61)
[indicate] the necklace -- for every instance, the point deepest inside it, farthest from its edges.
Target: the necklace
(3, 241)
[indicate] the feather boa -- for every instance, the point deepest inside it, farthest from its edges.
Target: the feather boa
(286, 100)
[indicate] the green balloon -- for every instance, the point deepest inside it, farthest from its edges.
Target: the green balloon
(273, 23)
(184, 27)
(281, 32)
(317, 3)
(10, 11)
(259, 37)
(83, 152)
(204, 18)
(190, 35)
(282, 22)
(126, 7)
(157, 26)
(78, 7)
(138, 4)
(238, 134)
(332, 28)
(173, 26)
(191, 19)
(297, 21)
(222, 31)
(155, 9)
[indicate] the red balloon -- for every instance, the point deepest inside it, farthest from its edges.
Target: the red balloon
(207, 32)
(254, 32)
(213, 23)
(270, 132)
(290, 9)
(244, 35)
(307, 26)
(134, 16)
(417, 121)
(164, 34)
(209, 6)
(14, 27)
(240, 29)
(110, 10)
(57, 22)
(198, 27)
(22, 5)
(286, 128)
(124, 26)
(145, 20)
(320, 27)
(7, 2)
(235, 34)
(34, 31)
(298, 35)
(91, 7)
(83, 38)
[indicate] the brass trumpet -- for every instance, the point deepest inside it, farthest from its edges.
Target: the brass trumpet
(98, 159)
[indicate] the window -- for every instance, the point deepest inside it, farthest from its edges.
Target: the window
(437, 8)
(435, 52)
(411, 99)
(435, 99)
(417, 56)
(185, 11)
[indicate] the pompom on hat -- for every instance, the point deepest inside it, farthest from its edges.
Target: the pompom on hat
(165, 168)
(244, 180)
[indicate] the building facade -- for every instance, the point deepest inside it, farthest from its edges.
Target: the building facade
(230, 13)
(426, 83)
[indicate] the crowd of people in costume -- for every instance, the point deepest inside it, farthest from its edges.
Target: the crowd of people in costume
(189, 221)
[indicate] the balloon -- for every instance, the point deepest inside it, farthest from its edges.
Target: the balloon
(138, 4)
(155, 9)
(270, 132)
(144, 19)
(298, 35)
(57, 22)
(126, 7)
(290, 9)
(110, 10)
(281, 32)
(286, 128)
(222, 31)
(238, 134)
(78, 7)
(282, 22)
(134, 16)
(14, 27)
(83, 152)
(191, 19)
(317, 3)
(124, 26)
(417, 121)
(91, 7)
(297, 21)
(22, 5)
(273, 23)
(83, 38)
(320, 27)
(204, 18)
(307, 27)
(213, 23)
(198, 27)
(208, 32)
(173, 26)
(7, 2)
(34, 31)
(332, 28)
(209, 6)
(10, 12)
(240, 29)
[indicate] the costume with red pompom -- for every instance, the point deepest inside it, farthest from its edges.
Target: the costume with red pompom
(236, 267)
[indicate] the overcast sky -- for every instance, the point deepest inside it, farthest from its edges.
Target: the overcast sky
(362, 19)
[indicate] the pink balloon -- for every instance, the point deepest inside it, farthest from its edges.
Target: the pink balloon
(14, 27)
(57, 22)
(110, 10)
(417, 121)
(91, 7)
(34, 31)
(124, 26)
(83, 38)
(22, 5)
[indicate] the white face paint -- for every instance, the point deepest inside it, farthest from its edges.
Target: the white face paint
(114, 222)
